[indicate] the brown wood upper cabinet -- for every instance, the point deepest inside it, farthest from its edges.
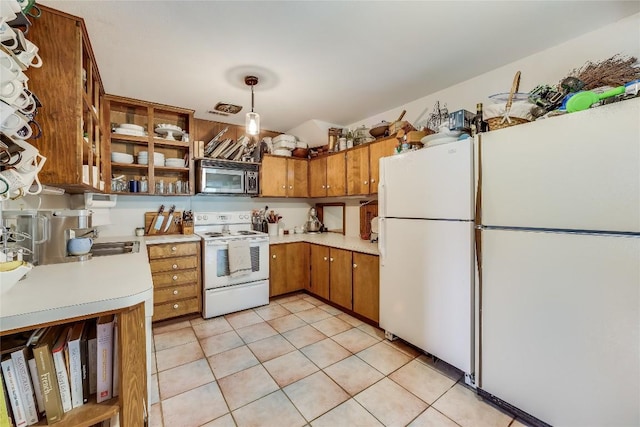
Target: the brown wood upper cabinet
(377, 150)
(70, 89)
(283, 177)
(358, 170)
(327, 176)
(119, 110)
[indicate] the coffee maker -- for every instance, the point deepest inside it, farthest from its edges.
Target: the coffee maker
(63, 225)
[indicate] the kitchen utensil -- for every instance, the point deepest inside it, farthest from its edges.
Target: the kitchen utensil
(584, 100)
(157, 221)
(514, 89)
(169, 219)
(379, 129)
(79, 246)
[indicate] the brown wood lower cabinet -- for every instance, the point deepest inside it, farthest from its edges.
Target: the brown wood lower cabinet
(366, 286)
(349, 279)
(175, 268)
(288, 267)
(340, 280)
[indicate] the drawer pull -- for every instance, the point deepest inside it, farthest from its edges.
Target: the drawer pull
(175, 277)
(175, 306)
(174, 266)
(173, 249)
(175, 292)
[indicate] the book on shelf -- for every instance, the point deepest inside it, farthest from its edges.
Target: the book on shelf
(47, 374)
(33, 370)
(15, 399)
(61, 369)
(84, 359)
(92, 345)
(5, 418)
(15, 346)
(21, 365)
(104, 332)
(74, 361)
(116, 360)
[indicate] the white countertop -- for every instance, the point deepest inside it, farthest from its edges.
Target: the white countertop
(60, 291)
(334, 240)
(171, 238)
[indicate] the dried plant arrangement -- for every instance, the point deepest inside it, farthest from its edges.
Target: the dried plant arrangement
(615, 71)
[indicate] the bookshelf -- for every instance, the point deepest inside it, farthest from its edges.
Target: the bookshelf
(132, 372)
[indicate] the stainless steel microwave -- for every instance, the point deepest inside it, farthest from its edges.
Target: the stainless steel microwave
(226, 177)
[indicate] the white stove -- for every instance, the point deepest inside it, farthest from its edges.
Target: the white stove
(223, 292)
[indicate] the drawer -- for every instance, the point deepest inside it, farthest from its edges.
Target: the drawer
(173, 278)
(175, 309)
(175, 293)
(172, 249)
(171, 264)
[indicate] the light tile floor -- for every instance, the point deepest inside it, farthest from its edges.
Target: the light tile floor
(300, 362)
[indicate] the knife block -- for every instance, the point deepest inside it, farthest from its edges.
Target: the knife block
(175, 226)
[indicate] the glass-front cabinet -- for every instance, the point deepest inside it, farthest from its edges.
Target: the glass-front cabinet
(150, 147)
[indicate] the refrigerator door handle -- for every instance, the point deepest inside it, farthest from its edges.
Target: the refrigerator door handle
(381, 239)
(382, 196)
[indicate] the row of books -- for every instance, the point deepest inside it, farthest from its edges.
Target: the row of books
(52, 370)
(227, 148)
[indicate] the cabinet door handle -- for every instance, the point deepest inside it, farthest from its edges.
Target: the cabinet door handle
(328, 186)
(175, 306)
(273, 256)
(174, 266)
(175, 292)
(365, 183)
(284, 186)
(175, 276)
(325, 258)
(324, 186)
(290, 187)
(173, 249)
(373, 180)
(331, 259)
(355, 265)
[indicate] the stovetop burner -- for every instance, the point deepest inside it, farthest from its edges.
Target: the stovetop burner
(213, 234)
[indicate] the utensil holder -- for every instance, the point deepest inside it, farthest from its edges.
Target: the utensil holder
(272, 228)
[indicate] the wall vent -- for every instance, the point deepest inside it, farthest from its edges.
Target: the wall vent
(224, 109)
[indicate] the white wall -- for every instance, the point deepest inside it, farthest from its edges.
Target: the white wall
(313, 132)
(548, 66)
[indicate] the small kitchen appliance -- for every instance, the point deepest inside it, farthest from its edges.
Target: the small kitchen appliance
(61, 227)
(225, 291)
(313, 224)
(226, 177)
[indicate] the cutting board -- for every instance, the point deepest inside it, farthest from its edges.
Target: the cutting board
(367, 213)
(150, 219)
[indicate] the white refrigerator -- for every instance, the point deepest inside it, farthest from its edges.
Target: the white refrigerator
(560, 267)
(426, 243)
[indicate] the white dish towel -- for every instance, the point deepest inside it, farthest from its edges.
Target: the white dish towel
(239, 258)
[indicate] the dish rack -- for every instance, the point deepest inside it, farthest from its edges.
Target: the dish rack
(10, 247)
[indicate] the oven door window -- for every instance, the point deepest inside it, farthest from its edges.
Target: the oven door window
(222, 258)
(224, 181)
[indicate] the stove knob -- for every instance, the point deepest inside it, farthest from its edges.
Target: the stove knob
(205, 217)
(198, 217)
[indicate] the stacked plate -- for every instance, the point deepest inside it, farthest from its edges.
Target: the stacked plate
(143, 158)
(130, 129)
(174, 162)
(440, 138)
(121, 157)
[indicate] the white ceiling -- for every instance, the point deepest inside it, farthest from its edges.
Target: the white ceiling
(335, 61)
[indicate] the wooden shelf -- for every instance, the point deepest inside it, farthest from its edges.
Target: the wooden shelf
(169, 143)
(130, 138)
(129, 166)
(88, 414)
(170, 169)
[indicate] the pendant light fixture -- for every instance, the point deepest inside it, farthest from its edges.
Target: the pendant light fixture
(252, 122)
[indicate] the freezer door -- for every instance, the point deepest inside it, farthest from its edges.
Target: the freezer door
(426, 286)
(580, 171)
(560, 325)
(435, 182)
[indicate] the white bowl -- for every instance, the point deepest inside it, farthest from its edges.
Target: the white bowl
(9, 278)
(123, 131)
(131, 126)
(121, 157)
(284, 138)
(282, 152)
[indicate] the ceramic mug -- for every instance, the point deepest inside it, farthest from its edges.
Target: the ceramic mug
(9, 8)
(79, 245)
(8, 37)
(13, 123)
(10, 68)
(29, 57)
(4, 187)
(10, 90)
